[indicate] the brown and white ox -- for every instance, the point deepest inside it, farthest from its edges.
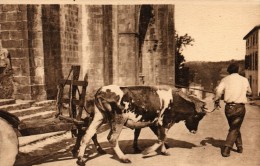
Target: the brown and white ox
(137, 107)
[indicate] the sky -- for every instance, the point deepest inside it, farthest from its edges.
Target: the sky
(218, 27)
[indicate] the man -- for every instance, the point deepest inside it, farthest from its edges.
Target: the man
(235, 89)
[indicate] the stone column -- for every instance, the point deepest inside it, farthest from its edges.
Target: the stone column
(127, 45)
(115, 43)
(36, 55)
(164, 18)
(92, 44)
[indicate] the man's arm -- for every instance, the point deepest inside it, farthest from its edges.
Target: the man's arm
(219, 90)
(218, 93)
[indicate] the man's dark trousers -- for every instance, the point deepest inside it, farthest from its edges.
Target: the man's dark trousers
(235, 115)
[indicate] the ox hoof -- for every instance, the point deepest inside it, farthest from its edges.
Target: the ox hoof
(80, 162)
(146, 152)
(165, 153)
(166, 146)
(101, 151)
(126, 161)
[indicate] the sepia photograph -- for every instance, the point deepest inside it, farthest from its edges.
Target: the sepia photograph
(152, 83)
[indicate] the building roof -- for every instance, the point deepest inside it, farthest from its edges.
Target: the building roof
(250, 32)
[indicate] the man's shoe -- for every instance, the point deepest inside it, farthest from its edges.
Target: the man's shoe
(240, 149)
(226, 151)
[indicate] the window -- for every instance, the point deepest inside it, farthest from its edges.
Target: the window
(250, 62)
(253, 61)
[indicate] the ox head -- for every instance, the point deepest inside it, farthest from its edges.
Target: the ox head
(198, 112)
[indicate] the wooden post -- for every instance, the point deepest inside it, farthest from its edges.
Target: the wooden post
(73, 90)
(82, 97)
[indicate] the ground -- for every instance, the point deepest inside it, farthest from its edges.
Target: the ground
(201, 149)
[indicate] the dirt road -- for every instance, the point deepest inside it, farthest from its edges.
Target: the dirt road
(201, 149)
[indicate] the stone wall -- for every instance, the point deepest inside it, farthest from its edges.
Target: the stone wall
(113, 44)
(52, 48)
(70, 33)
(157, 50)
(14, 36)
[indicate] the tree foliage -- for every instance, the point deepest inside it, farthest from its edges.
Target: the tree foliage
(181, 75)
(214, 72)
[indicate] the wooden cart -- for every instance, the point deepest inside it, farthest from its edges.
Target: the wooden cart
(68, 118)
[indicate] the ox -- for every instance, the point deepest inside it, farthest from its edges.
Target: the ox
(137, 107)
(8, 138)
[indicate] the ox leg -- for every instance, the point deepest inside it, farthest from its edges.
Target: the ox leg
(120, 154)
(155, 131)
(95, 124)
(77, 144)
(117, 124)
(135, 144)
(162, 134)
(96, 143)
(161, 140)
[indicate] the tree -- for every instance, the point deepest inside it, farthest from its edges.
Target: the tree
(181, 72)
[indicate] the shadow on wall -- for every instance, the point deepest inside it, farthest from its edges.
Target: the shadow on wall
(52, 48)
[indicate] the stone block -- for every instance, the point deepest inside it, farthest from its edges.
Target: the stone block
(24, 43)
(10, 8)
(2, 17)
(22, 15)
(24, 89)
(12, 16)
(22, 8)
(9, 26)
(17, 71)
(39, 92)
(11, 43)
(22, 25)
(22, 80)
(18, 35)
(5, 35)
(23, 64)
(18, 53)
(22, 96)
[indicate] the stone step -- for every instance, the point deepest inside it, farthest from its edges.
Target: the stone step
(39, 115)
(42, 141)
(6, 101)
(16, 106)
(28, 111)
(26, 140)
(44, 103)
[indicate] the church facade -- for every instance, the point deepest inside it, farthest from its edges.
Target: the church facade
(114, 44)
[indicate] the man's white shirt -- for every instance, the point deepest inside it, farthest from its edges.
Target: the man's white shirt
(234, 87)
